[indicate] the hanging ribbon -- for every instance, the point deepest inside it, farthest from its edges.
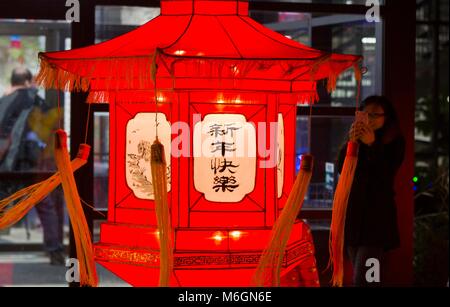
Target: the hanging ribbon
(269, 268)
(16, 206)
(83, 242)
(340, 202)
(159, 182)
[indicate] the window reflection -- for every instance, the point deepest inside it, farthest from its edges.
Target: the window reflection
(28, 119)
(347, 34)
(328, 135)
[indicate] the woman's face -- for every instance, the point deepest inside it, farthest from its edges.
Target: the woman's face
(376, 116)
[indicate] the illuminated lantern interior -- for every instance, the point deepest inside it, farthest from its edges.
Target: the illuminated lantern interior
(228, 79)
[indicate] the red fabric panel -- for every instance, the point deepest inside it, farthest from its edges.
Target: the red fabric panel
(214, 46)
(180, 7)
(289, 112)
(216, 7)
(255, 41)
(206, 37)
(204, 7)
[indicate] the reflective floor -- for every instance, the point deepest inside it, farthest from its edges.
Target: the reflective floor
(33, 269)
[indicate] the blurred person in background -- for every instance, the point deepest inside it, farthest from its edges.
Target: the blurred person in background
(26, 126)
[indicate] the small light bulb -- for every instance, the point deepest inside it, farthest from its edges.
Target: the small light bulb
(218, 237)
(236, 234)
(220, 99)
(160, 98)
(179, 52)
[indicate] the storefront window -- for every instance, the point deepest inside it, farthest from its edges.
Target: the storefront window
(28, 118)
(328, 135)
(348, 34)
(112, 21)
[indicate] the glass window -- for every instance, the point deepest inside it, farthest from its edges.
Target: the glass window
(348, 34)
(347, 2)
(101, 159)
(424, 62)
(328, 135)
(28, 118)
(444, 10)
(18, 50)
(443, 59)
(424, 10)
(112, 21)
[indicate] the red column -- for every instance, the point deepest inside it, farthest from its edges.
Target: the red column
(400, 80)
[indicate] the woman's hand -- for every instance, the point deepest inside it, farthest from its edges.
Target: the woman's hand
(367, 135)
(361, 131)
(355, 132)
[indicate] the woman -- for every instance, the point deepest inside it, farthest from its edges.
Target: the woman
(371, 221)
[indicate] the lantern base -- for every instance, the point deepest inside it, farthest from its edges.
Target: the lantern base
(227, 263)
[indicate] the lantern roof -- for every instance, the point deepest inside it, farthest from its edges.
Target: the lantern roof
(190, 41)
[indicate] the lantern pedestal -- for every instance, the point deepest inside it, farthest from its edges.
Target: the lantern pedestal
(203, 257)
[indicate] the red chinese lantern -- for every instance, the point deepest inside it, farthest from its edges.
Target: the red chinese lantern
(221, 79)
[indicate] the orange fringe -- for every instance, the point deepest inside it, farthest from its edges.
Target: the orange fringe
(268, 271)
(29, 197)
(159, 177)
(77, 74)
(308, 97)
(140, 72)
(83, 243)
(336, 240)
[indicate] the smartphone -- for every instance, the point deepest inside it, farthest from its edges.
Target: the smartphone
(362, 116)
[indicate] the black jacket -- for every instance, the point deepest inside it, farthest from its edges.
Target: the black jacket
(371, 218)
(23, 153)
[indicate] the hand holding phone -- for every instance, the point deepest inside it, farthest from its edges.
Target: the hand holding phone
(362, 116)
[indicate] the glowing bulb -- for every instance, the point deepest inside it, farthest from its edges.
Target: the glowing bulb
(220, 99)
(160, 98)
(234, 69)
(179, 52)
(236, 234)
(415, 179)
(218, 237)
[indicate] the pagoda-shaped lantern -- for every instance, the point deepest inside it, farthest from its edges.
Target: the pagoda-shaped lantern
(224, 102)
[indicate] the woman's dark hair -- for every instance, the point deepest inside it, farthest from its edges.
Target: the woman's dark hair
(391, 128)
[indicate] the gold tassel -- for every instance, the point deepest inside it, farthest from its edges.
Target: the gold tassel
(159, 177)
(83, 243)
(29, 197)
(269, 268)
(341, 195)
